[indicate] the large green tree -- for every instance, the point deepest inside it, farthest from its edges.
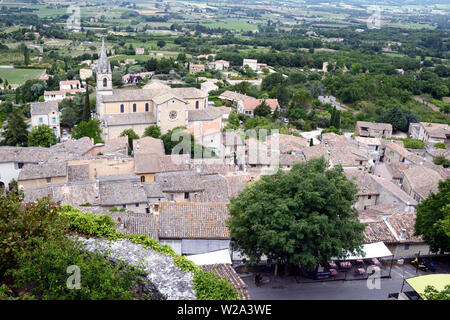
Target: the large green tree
(432, 219)
(152, 131)
(41, 136)
(15, 131)
(89, 129)
(301, 216)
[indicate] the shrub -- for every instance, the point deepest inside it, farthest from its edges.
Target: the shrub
(99, 279)
(22, 227)
(35, 253)
(440, 145)
(442, 161)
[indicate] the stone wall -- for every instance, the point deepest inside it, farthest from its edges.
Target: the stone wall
(171, 282)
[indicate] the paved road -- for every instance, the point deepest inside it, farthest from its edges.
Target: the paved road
(288, 289)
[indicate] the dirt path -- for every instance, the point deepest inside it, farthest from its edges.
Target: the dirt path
(432, 106)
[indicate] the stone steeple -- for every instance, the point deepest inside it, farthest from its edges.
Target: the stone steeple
(104, 74)
(103, 63)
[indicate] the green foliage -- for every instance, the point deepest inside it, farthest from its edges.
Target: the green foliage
(262, 110)
(331, 129)
(15, 132)
(440, 145)
(100, 280)
(152, 131)
(41, 136)
(442, 161)
(431, 293)
(398, 117)
(88, 223)
(89, 129)
(431, 216)
(412, 143)
(301, 216)
(23, 227)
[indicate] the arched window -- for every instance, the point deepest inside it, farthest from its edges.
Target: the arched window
(196, 104)
(105, 82)
(122, 108)
(146, 107)
(134, 107)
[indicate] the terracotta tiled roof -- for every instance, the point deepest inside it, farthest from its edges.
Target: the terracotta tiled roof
(135, 223)
(148, 145)
(153, 190)
(423, 180)
(47, 169)
(151, 163)
(436, 130)
(363, 181)
(24, 155)
(252, 103)
(190, 220)
(389, 186)
(378, 231)
(40, 108)
(118, 193)
(129, 118)
(181, 181)
(233, 96)
(398, 148)
(227, 271)
(79, 147)
(374, 125)
(402, 224)
(207, 114)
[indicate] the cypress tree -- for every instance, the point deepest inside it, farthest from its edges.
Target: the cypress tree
(87, 106)
(15, 132)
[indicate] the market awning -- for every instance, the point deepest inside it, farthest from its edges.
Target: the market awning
(371, 250)
(215, 257)
(438, 281)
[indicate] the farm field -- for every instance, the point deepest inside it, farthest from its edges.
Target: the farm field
(19, 76)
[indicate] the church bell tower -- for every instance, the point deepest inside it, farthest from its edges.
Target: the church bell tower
(104, 74)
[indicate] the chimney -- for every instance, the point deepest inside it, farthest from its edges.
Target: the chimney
(402, 234)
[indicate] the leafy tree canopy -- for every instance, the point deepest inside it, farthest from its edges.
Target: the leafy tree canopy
(41, 136)
(301, 216)
(432, 221)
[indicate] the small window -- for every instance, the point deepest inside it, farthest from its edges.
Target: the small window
(49, 180)
(196, 104)
(147, 210)
(406, 246)
(134, 107)
(122, 108)
(171, 197)
(20, 165)
(186, 195)
(143, 179)
(369, 197)
(146, 107)
(105, 82)
(137, 205)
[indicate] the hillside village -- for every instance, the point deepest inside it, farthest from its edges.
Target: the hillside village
(182, 201)
(175, 130)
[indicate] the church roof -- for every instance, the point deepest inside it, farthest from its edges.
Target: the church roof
(129, 118)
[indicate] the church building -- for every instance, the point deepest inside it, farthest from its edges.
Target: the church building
(154, 104)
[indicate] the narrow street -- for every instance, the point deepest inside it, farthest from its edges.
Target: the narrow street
(286, 288)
